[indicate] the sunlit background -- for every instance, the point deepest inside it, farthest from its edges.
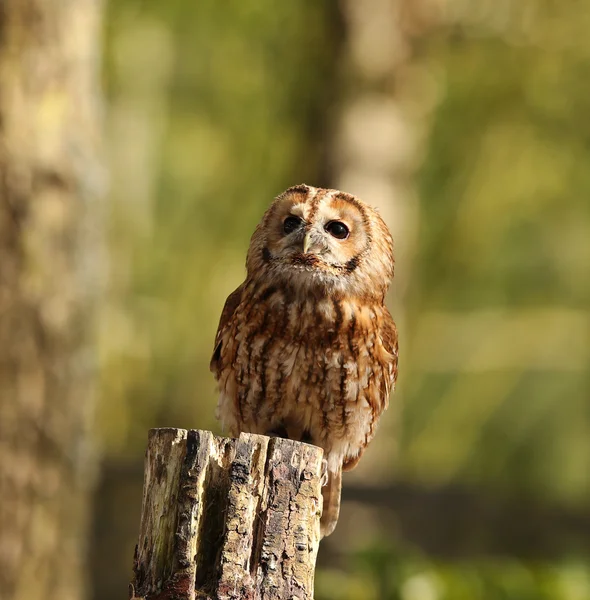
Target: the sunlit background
(468, 123)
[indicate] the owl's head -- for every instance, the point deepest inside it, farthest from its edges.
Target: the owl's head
(322, 241)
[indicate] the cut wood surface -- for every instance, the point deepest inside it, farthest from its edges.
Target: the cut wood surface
(227, 518)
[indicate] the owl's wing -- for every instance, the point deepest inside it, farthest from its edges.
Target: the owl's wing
(379, 402)
(231, 304)
(389, 339)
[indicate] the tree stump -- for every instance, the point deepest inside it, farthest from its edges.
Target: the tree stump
(227, 519)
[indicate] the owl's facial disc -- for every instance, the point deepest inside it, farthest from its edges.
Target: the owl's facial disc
(317, 239)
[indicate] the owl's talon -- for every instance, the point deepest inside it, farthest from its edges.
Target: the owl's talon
(324, 476)
(278, 432)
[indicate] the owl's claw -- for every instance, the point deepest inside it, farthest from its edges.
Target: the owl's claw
(324, 476)
(278, 432)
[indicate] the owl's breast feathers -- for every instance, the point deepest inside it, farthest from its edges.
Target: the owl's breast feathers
(322, 368)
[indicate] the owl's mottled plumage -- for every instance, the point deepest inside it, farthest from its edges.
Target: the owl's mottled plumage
(306, 348)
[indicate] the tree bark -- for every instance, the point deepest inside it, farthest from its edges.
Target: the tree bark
(50, 274)
(228, 519)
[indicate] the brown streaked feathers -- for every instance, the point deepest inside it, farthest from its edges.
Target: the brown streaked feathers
(306, 347)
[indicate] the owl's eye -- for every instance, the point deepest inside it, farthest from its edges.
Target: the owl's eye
(337, 229)
(290, 224)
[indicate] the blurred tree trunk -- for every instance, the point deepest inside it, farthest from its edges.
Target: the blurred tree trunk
(388, 98)
(50, 274)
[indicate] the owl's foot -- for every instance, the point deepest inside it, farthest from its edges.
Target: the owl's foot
(324, 476)
(280, 432)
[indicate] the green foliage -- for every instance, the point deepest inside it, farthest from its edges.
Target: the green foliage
(381, 572)
(499, 322)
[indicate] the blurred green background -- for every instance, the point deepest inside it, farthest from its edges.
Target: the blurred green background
(467, 122)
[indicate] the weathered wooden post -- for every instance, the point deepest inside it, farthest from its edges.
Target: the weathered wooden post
(227, 518)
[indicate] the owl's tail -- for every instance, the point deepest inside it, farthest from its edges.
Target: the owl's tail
(331, 510)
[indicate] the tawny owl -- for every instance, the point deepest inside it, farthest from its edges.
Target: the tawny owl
(306, 348)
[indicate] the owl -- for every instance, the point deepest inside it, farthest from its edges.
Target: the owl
(306, 348)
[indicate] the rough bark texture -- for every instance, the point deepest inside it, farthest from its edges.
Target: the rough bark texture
(50, 182)
(228, 519)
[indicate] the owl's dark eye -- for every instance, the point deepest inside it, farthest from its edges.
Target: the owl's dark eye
(337, 229)
(290, 224)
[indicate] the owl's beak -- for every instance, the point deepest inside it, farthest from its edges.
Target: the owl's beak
(307, 242)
